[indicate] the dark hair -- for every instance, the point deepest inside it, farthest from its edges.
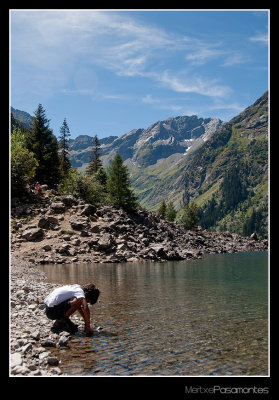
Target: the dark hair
(91, 292)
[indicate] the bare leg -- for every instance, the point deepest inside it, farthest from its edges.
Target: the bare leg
(75, 305)
(81, 306)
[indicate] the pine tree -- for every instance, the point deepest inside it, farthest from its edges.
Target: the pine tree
(170, 212)
(162, 210)
(189, 217)
(52, 172)
(102, 177)
(44, 145)
(118, 185)
(65, 163)
(95, 166)
(95, 162)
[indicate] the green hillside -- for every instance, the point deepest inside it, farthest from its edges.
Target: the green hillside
(228, 176)
(164, 180)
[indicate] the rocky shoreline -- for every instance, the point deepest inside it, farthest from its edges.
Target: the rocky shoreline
(31, 338)
(61, 229)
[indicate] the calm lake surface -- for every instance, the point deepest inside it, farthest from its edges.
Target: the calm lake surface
(202, 317)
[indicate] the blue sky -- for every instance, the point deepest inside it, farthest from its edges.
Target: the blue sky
(110, 71)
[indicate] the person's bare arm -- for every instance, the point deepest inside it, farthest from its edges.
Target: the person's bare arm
(85, 313)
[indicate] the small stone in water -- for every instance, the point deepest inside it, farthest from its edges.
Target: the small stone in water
(53, 361)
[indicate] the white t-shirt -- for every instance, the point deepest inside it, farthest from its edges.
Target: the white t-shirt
(63, 293)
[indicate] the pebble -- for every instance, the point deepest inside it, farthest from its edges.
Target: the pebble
(63, 341)
(53, 361)
(15, 360)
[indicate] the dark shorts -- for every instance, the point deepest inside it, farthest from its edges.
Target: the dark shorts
(58, 311)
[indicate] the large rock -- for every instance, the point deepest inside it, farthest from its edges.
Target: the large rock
(95, 229)
(48, 222)
(159, 250)
(79, 224)
(58, 207)
(88, 210)
(33, 234)
(69, 201)
(43, 223)
(106, 242)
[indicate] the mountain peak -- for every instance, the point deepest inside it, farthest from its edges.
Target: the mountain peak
(22, 117)
(145, 147)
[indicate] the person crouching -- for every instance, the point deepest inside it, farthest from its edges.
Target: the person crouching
(65, 300)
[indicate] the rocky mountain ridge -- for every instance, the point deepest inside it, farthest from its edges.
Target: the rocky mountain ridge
(23, 117)
(145, 147)
(142, 148)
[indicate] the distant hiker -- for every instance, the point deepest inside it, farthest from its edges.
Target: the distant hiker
(31, 186)
(65, 300)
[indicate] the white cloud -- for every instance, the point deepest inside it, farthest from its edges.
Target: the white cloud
(234, 59)
(56, 40)
(260, 38)
(58, 43)
(193, 84)
(201, 55)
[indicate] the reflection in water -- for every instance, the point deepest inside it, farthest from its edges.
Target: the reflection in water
(205, 317)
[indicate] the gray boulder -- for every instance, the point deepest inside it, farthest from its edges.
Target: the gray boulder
(33, 234)
(79, 224)
(43, 223)
(69, 201)
(88, 210)
(57, 208)
(106, 242)
(48, 222)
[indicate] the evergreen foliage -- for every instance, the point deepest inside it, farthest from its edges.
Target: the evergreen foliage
(233, 189)
(102, 177)
(232, 192)
(209, 213)
(188, 218)
(44, 145)
(162, 210)
(65, 163)
(256, 222)
(170, 212)
(95, 166)
(95, 162)
(118, 185)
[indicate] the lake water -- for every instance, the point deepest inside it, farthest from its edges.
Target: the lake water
(193, 318)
